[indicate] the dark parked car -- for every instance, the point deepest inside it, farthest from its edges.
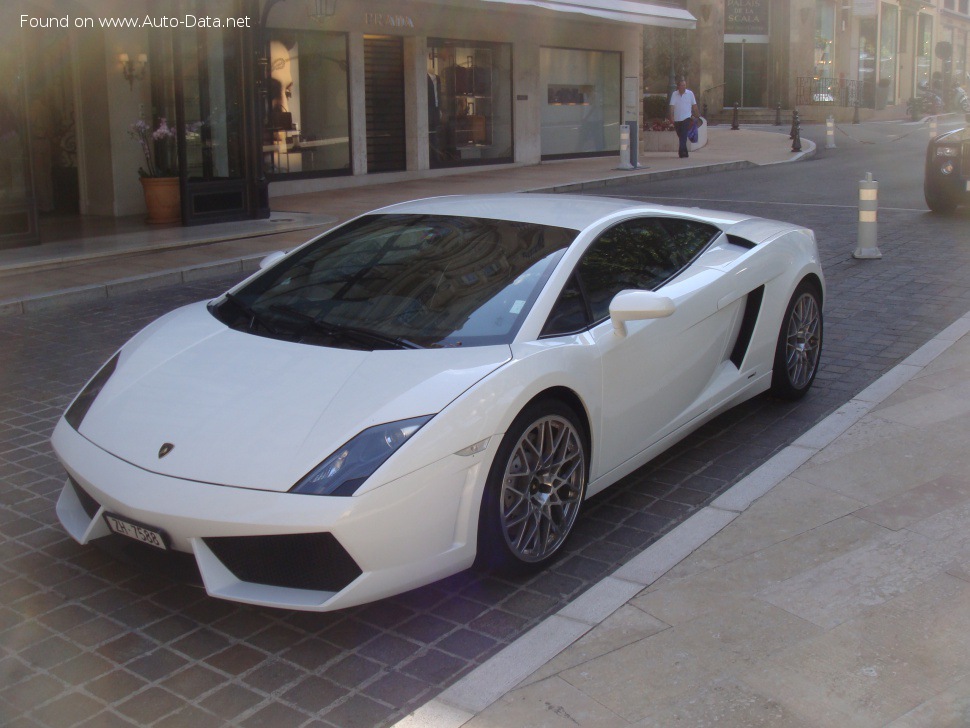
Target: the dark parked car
(947, 180)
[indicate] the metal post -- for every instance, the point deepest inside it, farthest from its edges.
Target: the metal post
(734, 120)
(634, 144)
(868, 204)
(794, 120)
(778, 114)
(830, 132)
(625, 147)
(855, 114)
(796, 145)
(934, 132)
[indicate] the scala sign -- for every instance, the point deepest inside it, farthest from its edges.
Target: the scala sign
(746, 17)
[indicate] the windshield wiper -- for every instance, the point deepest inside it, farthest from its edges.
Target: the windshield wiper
(254, 316)
(339, 331)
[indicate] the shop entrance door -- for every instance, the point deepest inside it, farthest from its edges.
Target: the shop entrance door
(211, 102)
(384, 101)
(18, 209)
(746, 74)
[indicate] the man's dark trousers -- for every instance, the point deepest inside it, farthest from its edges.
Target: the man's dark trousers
(683, 127)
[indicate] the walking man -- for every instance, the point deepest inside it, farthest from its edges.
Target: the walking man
(683, 111)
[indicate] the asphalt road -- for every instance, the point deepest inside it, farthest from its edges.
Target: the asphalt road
(87, 638)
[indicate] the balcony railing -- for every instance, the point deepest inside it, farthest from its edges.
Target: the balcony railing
(836, 92)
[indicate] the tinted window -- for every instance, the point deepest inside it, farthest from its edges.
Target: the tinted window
(569, 314)
(639, 254)
(429, 280)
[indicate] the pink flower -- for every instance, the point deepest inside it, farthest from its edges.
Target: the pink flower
(142, 133)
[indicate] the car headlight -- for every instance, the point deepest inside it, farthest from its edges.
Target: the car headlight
(345, 470)
(947, 168)
(947, 151)
(82, 403)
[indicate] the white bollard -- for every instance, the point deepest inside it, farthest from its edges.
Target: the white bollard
(830, 132)
(625, 152)
(868, 204)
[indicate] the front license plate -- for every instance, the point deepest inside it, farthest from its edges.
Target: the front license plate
(124, 527)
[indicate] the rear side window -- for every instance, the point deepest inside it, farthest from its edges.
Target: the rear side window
(638, 254)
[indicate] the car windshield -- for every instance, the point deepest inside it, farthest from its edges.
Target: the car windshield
(402, 281)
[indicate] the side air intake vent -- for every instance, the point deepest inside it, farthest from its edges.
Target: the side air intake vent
(752, 307)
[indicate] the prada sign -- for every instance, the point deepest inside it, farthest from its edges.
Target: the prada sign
(386, 20)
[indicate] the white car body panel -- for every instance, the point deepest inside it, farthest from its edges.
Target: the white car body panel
(306, 400)
(250, 416)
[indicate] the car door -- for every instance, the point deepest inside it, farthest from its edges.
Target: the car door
(653, 374)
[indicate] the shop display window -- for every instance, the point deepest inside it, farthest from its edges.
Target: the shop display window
(824, 40)
(581, 107)
(889, 33)
(469, 102)
(307, 129)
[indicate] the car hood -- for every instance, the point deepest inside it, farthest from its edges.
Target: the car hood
(253, 412)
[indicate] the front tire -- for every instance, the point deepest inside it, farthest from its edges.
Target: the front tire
(799, 344)
(938, 201)
(534, 490)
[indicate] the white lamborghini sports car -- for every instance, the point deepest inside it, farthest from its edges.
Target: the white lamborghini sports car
(434, 383)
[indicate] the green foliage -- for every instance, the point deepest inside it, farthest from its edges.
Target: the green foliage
(656, 106)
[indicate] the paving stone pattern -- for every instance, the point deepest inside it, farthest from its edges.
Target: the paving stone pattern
(89, 639)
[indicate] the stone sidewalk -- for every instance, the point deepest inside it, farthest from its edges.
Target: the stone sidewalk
(117, 257)
(831, 587)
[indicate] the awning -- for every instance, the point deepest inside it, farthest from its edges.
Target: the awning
(621, 11)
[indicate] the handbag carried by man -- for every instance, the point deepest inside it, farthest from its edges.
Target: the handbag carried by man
(692, 131)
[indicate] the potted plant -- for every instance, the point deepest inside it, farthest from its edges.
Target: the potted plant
(160, 186)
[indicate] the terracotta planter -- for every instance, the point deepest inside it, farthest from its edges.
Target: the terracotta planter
(162, 200)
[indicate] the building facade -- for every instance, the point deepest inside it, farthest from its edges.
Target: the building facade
(813, 53)
(269, 97)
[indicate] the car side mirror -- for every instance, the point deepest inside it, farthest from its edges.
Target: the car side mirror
(270, 259)
(638, 306)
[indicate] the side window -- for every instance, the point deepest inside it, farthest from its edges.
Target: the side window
(569, 314)
(641, 254)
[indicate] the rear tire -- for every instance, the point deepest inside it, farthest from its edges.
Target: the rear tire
(799, 344)
(535, 489)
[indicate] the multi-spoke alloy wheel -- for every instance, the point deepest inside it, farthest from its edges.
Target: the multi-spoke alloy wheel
(799, 344)
(535, 489)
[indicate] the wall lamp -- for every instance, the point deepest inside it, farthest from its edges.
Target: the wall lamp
(133, 70)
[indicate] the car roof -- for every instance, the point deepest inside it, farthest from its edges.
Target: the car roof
(576, 212)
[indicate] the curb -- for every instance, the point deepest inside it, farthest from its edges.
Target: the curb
(101, 291)
(473, 693)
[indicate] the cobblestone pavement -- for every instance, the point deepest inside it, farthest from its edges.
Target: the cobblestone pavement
(87, 638)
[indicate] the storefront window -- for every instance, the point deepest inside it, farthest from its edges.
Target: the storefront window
(308, 129)
(17, 215)
(887, 53)
(960, 59)
(824, 40)
(924, 49)
(581, 102)
(213, 116)
(469, 102)
(867, 61)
